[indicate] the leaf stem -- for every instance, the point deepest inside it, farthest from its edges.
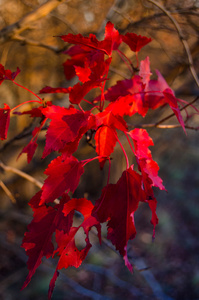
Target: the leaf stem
(30, 101)
(21, 174)
(94, 106)
(126, 157)
(122, 55)
(109, 170)
(86, 161)
(23, 87)
(129, 142)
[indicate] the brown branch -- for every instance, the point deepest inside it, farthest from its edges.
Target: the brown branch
(7, 191)
(30, 42)
(172, 115)
(27, 131)
(21, 174)
(170, 126)
(158, 124)
(9, 32)
(182, 38)
(120, 73)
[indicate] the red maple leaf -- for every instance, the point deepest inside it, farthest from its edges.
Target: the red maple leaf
(87, 65)
(32, 145)
(107, 118)
(38, 239)
(117, 205)
(63, 174)
(106, 135)
(4, 121)
(78, 57)
(145, 71)
(106, 138)
(50, 90)
(147, 165)
(7, 74)
(158, 93)
(67, 125)
(173, 103)
(111, 41)
(69, 254)
(30, 150)
(134, 41)
(78, 91)
(84, 72)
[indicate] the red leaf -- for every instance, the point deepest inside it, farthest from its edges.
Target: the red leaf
(112, 40)
(142, 141)
(38, 239)
(85, 42)
(172, 101)
(147, 165)
(106, 139)
(50, 90)
(32, 146)
(69, 254)
(65, 127)
(162, 94)
(128, 105)
(122, 88)
(78, 55)
(35, 112)
(117, 205)
(112, 35)
(149, 169)
(4, 121)
(88, 65)
(52, 284)
(30, 150)
(145, 71)
(63, 174)
(84, 72)
(134, 41)
(109, 119)
(80, 90)
(7, 74)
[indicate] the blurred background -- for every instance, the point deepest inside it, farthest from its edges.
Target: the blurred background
(167, 268)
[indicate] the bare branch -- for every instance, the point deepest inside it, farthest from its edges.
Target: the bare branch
(158, 124)
(26, 41)
(7, 191)
(170, 126)
(8, 32)
(21, 174)
(183, 40)
(172, 115)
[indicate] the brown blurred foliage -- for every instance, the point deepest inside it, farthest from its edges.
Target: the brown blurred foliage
(29, 39)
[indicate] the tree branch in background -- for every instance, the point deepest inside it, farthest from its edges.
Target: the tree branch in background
(21, 174)
(182, 38)
(12, 31)
(30, 42)
(7, 191)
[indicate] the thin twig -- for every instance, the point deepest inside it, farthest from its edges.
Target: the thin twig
(158, 124)
(172, 115)
(21, 174)
(170, 126)
(120, 73)
(181, 36)
(8, 192)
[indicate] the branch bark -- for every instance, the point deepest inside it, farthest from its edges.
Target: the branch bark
(9, 32)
